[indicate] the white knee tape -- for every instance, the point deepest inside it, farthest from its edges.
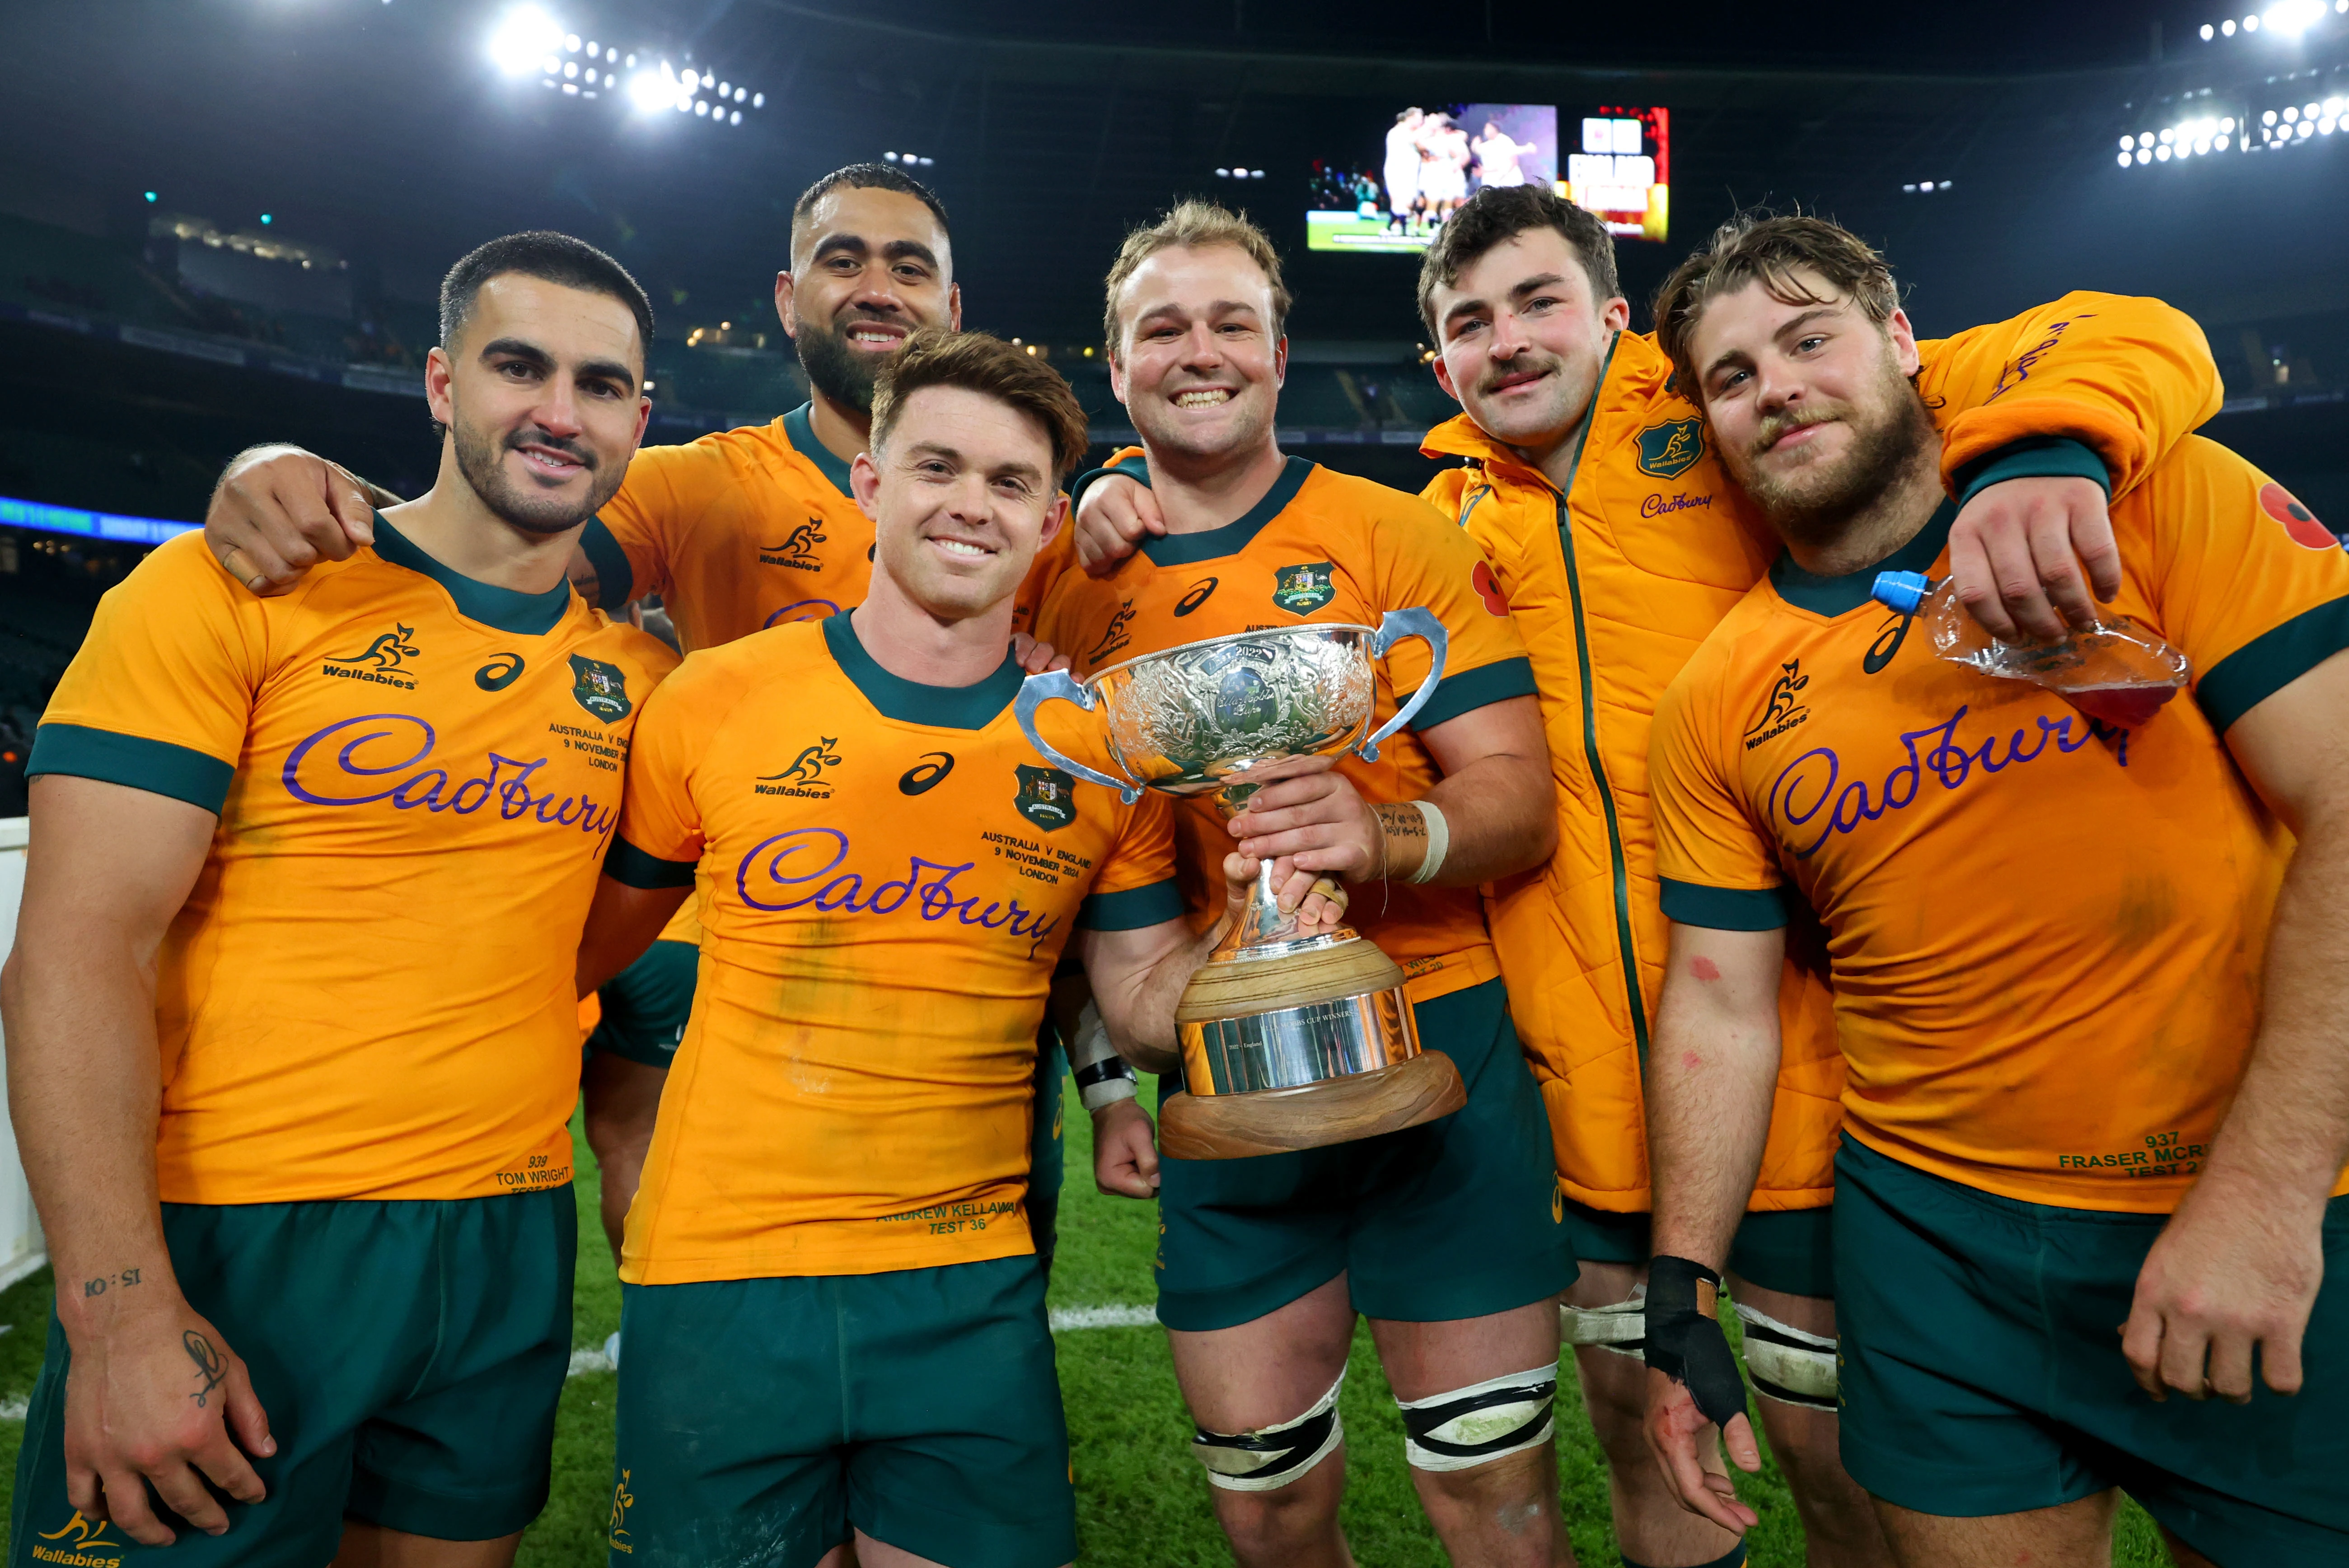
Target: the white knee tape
(1481, 1423)
(1786, 1363)
(1622, 1327)
(1270, 1458)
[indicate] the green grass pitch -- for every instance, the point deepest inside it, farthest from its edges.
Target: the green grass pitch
(1142, 1501)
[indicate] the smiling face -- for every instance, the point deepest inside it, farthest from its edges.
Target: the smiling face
(870, 267)
(541, 393)
(961, 497)
(1810, 400)
(1524, 338)
(1199, 360)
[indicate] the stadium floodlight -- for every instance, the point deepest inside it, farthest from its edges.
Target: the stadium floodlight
(734, 118)
(2228, 28)
(523, 38)
(758, 100)
(2207, 32)
(2292, 17)
(2252, 22)
(650, 90)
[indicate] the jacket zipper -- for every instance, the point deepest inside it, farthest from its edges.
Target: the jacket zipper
(1590, 732)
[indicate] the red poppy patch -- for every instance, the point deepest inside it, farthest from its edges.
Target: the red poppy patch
(1489, 590)
(2298, 520)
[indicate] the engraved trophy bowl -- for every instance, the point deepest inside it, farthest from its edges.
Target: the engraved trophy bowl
(1288, 1041)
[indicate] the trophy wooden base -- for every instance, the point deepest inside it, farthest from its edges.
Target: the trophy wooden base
(1336, 1111)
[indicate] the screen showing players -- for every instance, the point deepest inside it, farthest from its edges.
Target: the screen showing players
(1401, 176)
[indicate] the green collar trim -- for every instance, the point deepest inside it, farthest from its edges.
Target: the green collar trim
(799, 428)
(911, 702)
(507, 609)
(1590, 417)
(1833, 596)
(1190, 548)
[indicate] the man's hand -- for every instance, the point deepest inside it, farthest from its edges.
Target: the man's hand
(1125, 1151)
(1311, 817)
(1680, 1439)
(2236, 1268)
(2028, 552)
(159, 1398)
(1036, 657)
(1114, 516)
(278, 511)
(1319, 904)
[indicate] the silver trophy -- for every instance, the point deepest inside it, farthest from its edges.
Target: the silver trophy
(1288, 1041)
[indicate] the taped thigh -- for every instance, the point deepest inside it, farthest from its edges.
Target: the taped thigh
(1622, 1327)
(1270, 1458)
(1787, 1364)
(1480, 1423)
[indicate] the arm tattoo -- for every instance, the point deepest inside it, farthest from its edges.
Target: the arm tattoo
(126, 1279)
(210, 1364)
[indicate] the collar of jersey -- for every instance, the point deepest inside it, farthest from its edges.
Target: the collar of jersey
(911, 702)
(800, 429)
(1190, 548)
(1833, 596)
(507, 609)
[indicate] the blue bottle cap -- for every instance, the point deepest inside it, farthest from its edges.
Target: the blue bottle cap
(1902, 590)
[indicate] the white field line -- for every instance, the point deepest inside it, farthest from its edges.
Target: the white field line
(1064, 1320)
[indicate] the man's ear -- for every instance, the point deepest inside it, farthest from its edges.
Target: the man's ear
(1053, 521)
(1444, 376)
(1281, 361)
(1116, 377)
(864, 484)
(1615, 314)
(784, 288)
(1904, 341)
(440, 370)
(954, 307)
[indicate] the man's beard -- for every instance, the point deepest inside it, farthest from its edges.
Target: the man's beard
(842, 374)
(481, 460)
(1813, 503)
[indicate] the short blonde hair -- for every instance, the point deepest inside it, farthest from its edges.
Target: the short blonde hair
(1192, 225)
(978, 362)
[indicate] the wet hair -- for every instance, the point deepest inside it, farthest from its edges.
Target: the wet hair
(1763, 247)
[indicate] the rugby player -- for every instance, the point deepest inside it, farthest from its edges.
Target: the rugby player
(1590, 483)
(312, 1222)
(1443, 1234)
(833, 1317)
(735, 531)
(2084, 974)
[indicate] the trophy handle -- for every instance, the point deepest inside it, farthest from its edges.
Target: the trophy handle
(1038, 690)
(1393, 628)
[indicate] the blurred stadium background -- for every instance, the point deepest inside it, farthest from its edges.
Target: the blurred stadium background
(222, 221)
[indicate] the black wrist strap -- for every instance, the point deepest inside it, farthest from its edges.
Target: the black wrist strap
(1103, 1071)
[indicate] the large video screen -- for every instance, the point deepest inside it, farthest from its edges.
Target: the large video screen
(1395, 182)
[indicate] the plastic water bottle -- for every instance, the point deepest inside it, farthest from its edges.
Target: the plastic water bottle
(2116, 670)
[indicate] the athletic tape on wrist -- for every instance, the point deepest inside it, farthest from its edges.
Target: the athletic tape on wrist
(1685, 1342)
(1103, 1077)
(1439, 840)
(1270, 1458)
(1481, 1423)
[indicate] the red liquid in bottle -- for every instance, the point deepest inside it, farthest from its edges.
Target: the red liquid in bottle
(2125, 706)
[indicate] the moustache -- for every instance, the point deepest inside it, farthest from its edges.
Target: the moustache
(1777, 425)
(538, 438)
(1516, 369)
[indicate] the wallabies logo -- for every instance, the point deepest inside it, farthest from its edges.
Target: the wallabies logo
(1671, 450)
(602, 689)
(798, 548)
(1784, 709)
(80, 1543)
(1303, 589)
(1047, 797)
(804, 777)
(381, 661)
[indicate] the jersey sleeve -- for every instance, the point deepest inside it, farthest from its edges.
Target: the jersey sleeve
(1131, 462)
(160, 695)
(1716, 867)
(1058, 556)
(2125, 376)
(2249, 584)
(1136, 886)
(658, 842)
(632, 540)
(1425, 561)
